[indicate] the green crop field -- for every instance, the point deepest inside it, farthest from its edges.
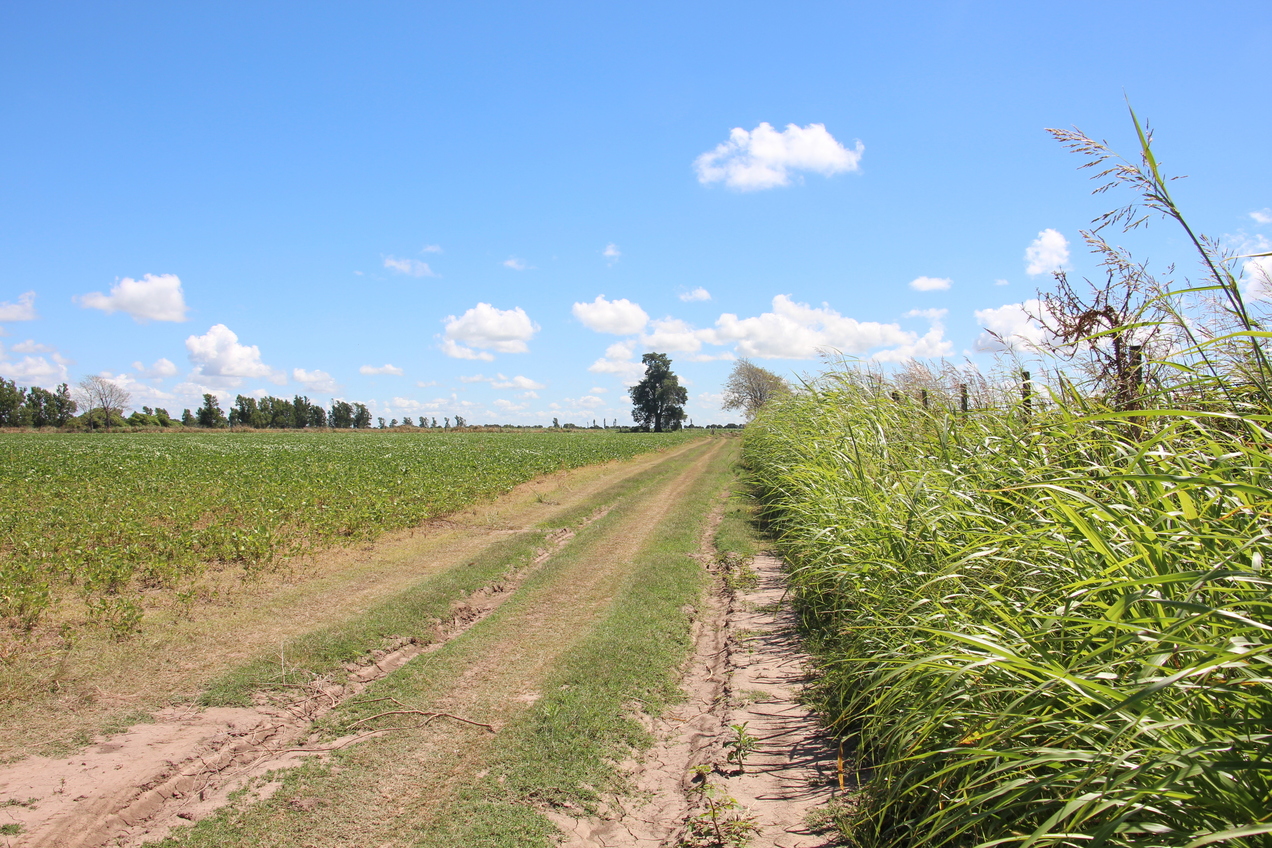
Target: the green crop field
(103, 517)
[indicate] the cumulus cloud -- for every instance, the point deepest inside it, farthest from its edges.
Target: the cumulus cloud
(1010, 327)
(618, 361)
(697, 294)
(798, 331)
(23, 310)
(1262, 216)
(161, 369)
(410, 267)
(515, 264)
(672, 334)
(218, 357)
(611, 252)
(620, 317)
(46, 372)
(488, 329)
(1048, 252)
(931, 283)
(381, 369)
(314, 381)
(155, 297)
(765, 158)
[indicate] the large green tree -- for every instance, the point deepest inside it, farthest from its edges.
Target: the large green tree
(658, 401)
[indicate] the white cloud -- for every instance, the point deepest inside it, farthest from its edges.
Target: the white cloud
(410, 267)
(931, 283)
(152, 298)
(931, 345)
(620, 317)
(1258, 278)
(518, 382)
(505, 405)
(35, 370)
(930, 314)
(765, 158)
(32, 346)
(797, 331)
(672, 334)
(697, 294)
(618, 361)
(218, 355)
(484, 326)
(142, 394)
(1048, 252)
(515, 264)
(431, 248)
(1262, 216)
(611, 252)
(1010, 327)
(23, 310)
(381, 369)
(162, 368)
(314, 381)
(597, 390)
(476, 378)
(1002, 282)
(458, 351)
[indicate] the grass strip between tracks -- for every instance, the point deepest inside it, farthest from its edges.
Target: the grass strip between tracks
(408, 614)
(445, 784)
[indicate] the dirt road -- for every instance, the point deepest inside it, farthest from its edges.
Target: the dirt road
(575, 612)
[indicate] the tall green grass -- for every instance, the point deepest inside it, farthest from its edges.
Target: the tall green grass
(1040, 629)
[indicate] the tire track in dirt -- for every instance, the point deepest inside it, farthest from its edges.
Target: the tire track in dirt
(747, 670)
(131, 788)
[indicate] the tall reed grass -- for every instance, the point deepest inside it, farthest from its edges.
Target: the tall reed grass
(1050, 627)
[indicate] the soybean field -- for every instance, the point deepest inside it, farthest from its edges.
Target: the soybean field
(100, 518)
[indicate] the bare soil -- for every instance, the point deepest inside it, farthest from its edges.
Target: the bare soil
(185, 762)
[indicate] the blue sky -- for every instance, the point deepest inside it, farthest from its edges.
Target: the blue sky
(492, 209)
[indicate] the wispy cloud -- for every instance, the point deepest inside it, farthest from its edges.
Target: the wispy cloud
(611, 252)
(765, 158)
(431, 248)
(381, 369)
(697, 294)
(1262, 216)
(409, 267)
(931, 283)
(23, 310)
(515, 264)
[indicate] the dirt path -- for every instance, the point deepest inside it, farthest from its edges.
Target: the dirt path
(483, 669)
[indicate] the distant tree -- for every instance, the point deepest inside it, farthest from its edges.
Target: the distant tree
(361, 416)
(407, 422)
(210, 414)
(96, 392)
(11, 400)
(658, 401)
(163, 418)
(447, 423)
(749, 387)
(246, 413)
(434, 420)
(341, 415)
(459, 421)
(64, 405)
(555, 423)
(317, 416)
(392, 422)
(188, 419)
(40, 407)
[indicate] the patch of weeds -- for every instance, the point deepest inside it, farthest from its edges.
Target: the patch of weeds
(742, 744)
(120, 723)
(833, 816)
(29, 803)
(737, 571)
(10, 828)
(723, 823)
(750, 696)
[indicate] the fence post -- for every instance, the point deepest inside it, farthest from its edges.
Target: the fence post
(962, 396)
(923, 397)
(1026, 392)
